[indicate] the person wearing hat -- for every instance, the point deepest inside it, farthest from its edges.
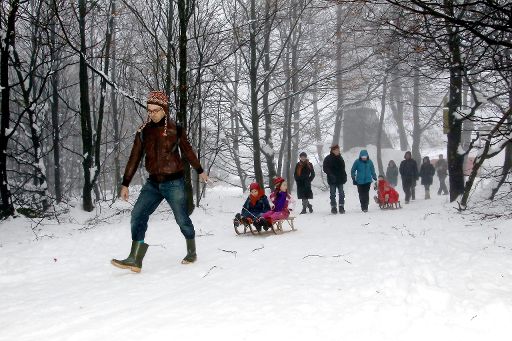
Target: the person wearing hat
(160, 139)
(255, 205)
(281, 201)
(363, 172)
(304, 175)
(334, 167)
(427, 172)
(409, 173)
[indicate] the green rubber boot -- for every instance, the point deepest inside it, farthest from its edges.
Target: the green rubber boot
(134, 260)
(191, 256)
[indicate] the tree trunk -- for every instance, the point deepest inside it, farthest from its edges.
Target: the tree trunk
(397, 108)
(54, 55)
(455, 160)
(255, 118)
(170, 42)
(6, 206)
(184, 12)
(416, 130)
(269, 150)
(288, 112)
(381, 124)
(235, 126)
(507, 163)
(295, 106)
(85, 114)
(484, 155)
(339, 78)
(103, 94)
(318, 132)
(115, 110)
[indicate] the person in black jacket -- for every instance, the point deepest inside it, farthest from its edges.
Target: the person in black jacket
(334, 167)
(304, 175)
(409, 173)
(392, 173)
(255, 205)
(442, 173)
(427, 172)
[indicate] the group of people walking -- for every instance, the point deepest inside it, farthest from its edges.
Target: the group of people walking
(259, 210)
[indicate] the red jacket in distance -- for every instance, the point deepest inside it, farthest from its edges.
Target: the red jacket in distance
(386, 193)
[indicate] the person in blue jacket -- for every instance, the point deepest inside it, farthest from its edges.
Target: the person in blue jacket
(362, 174)
(256, 204)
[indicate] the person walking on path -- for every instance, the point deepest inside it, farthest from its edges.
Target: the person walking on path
(409, 173)
(304, 175)
(442, 173)
(363, 172)
(427, 172)
(160, 139)
(334, 167)
(392, 173)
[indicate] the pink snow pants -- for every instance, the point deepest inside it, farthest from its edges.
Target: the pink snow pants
(272, 216)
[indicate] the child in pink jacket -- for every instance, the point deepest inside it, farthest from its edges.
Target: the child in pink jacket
(280, 199)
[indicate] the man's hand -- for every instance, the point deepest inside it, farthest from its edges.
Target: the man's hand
(204, 177)
(124, 193)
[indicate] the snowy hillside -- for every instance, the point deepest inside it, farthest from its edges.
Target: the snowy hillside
(424, 272)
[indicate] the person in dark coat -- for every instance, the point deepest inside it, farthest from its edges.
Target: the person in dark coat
(392, 173)
(427, 172)
(334, 167)
(304, 175)
(363, 172)
(442, 173)
(256, 204)
(409, 173)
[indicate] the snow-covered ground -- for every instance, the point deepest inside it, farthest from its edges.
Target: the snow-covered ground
(424, 272)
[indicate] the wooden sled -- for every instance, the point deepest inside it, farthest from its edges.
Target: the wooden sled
(276, 228)
(388, 206)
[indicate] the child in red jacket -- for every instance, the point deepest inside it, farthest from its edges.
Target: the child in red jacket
(386, 194)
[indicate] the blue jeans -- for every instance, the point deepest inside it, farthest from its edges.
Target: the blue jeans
(341, 194)
(151, 196)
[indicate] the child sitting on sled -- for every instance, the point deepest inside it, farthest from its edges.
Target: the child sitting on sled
(386, 194)
(255, 205)
(281, 201)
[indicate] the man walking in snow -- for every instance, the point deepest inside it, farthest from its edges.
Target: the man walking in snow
(442, 173)
(409, 173)
(334, 167)
(160, 139)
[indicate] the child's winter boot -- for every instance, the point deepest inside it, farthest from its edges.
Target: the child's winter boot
(134, 260)
(238, 220)
(266, 224)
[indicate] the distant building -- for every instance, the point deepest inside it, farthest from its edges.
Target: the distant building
(360, 128)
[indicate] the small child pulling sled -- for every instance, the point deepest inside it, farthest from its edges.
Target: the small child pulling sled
(387, 196)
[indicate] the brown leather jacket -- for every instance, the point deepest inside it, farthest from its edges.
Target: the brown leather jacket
(161, 163)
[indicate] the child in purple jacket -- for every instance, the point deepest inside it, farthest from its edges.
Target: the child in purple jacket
(280, 199)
